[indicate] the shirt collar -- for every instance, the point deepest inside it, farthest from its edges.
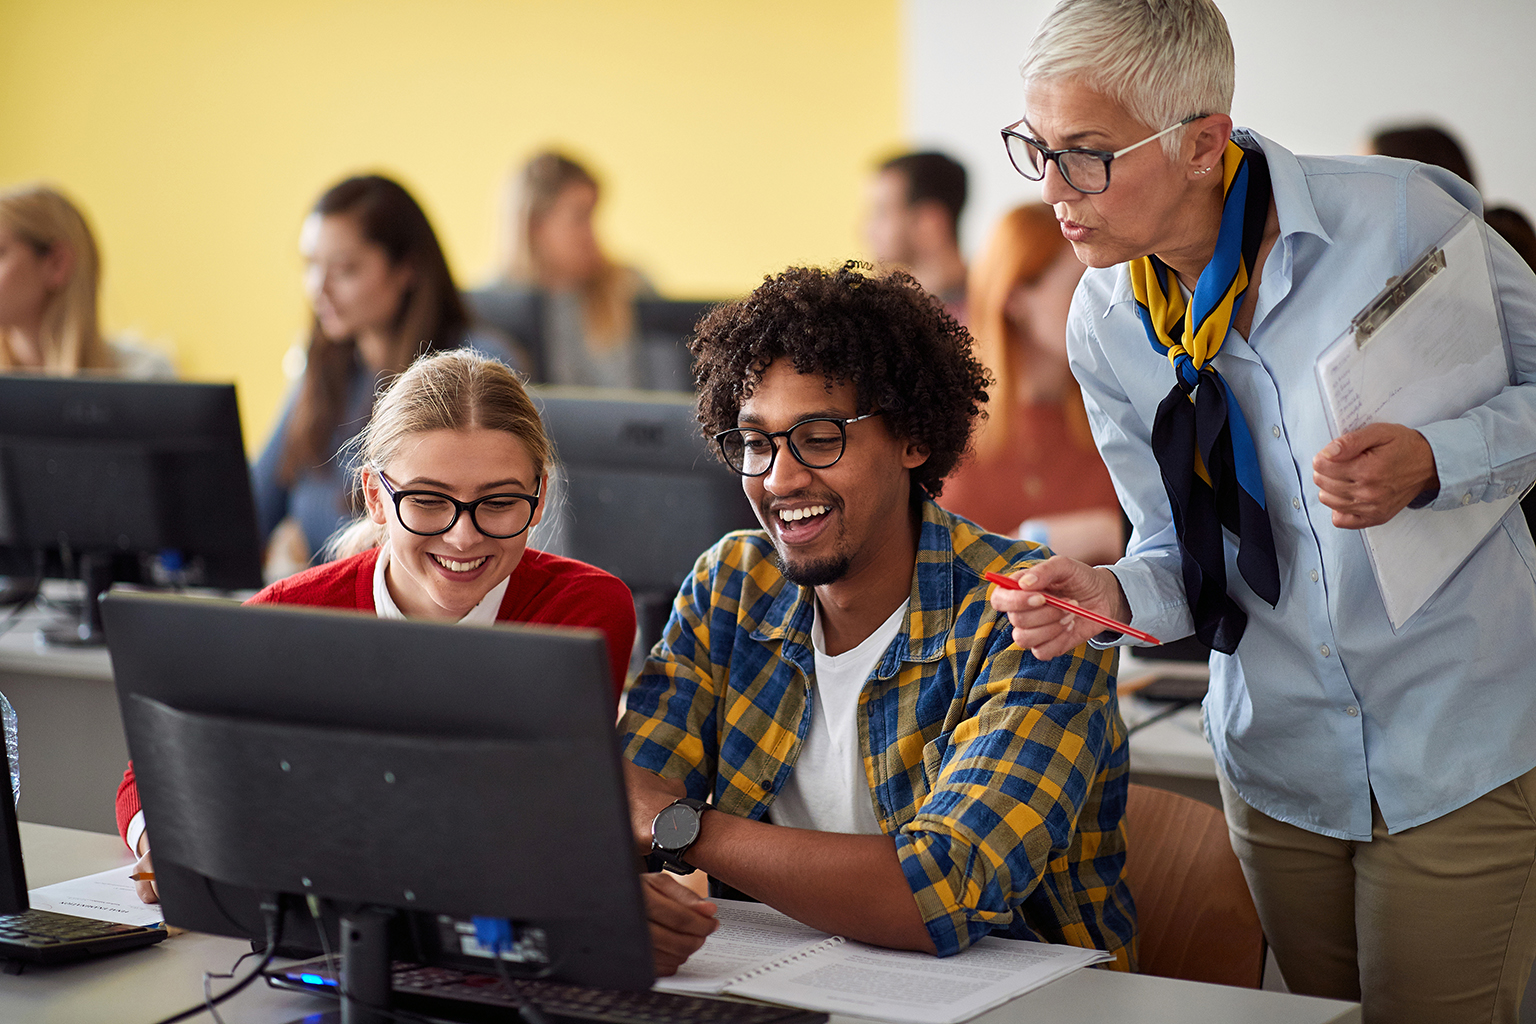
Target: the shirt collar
(930, 606)
(1294, 208)
(482, 614)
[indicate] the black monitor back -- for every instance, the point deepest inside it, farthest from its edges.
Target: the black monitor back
(125, 470)
(441, 769)
(644, 496)
(664, 328)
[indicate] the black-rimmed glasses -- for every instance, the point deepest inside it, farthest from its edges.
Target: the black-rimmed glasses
(1085, 170)
(429, 513)
(817, 443)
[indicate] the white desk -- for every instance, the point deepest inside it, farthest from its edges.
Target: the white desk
(68, 726)
(148, 984)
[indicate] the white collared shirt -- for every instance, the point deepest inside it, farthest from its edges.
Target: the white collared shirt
(482, 614)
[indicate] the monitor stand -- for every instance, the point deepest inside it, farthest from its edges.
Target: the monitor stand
(364, 981)
(96, 574)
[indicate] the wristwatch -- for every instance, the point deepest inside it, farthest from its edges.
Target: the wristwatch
(673, 831)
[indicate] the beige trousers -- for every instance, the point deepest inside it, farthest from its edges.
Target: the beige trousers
(1436, 924)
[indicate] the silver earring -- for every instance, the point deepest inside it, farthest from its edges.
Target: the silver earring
(1205, 170)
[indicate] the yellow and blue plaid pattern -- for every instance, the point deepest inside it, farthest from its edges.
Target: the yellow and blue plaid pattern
(1001, 778)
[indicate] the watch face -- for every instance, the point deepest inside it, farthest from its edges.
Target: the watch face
(676, 827)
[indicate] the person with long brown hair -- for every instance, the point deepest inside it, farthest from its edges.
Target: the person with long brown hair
(454, 467)
(1035, 471)
(50, 274)
(550, 254)
(381, 294)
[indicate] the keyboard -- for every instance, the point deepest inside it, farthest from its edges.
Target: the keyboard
(43, 937)
(436, 990)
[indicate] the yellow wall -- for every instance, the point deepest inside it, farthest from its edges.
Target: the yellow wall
(733, 138)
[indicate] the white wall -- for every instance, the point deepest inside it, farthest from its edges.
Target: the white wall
(1314, 75)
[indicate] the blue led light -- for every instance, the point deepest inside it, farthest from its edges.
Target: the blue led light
(316, 979)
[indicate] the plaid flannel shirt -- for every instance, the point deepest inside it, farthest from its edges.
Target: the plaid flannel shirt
(1001, 778)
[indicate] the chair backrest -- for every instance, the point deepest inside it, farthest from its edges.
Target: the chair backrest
(1195, 915)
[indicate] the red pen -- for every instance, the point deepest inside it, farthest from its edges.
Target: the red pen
(1067, 606)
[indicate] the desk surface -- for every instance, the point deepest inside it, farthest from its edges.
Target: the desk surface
(148, 984)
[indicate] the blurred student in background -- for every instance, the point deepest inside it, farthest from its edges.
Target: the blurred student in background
(1035, 472)
(50, 273)
(381, 294)
(557, 292)
(915, 201)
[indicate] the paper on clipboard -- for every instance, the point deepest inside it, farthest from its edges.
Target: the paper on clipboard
(1429, 347)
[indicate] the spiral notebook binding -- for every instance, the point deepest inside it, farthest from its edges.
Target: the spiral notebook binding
(784, 961)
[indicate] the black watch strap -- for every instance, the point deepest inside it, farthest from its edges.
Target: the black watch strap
(672, 858)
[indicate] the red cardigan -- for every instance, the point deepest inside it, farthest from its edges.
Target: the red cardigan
(544, 589)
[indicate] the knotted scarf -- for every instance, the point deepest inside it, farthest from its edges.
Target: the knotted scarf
(1203, 446)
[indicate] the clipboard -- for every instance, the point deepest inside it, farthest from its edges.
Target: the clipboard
(1431, 345)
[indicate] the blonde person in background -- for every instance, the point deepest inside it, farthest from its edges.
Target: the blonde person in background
(1035, 472)
(50, 273)
(585, 313)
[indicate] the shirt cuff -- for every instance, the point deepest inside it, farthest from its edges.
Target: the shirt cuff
(135, 830)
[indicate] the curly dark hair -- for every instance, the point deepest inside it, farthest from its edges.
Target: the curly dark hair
(893, 341)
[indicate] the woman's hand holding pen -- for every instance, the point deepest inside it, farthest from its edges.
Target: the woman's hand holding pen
(144, 873)
(1049, 632)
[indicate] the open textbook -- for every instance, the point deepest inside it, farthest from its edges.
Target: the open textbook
(760, 953)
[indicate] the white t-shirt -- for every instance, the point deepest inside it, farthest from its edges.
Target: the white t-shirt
(482, 614)
(828, 789)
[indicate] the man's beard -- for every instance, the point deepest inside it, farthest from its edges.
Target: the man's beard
(815, 573)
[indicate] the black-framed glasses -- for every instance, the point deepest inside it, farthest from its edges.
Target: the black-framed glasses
(429, 513)
(817, 443)
(1085, 170)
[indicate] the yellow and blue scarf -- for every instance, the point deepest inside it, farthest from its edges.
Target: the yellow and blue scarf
(1203, 446)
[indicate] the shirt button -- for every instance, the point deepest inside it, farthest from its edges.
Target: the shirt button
(1323, 650)
(1352, 711)
(1295, 503)
(1511, 489)
(1275, 431)
(1313, 574)
(1466, 499)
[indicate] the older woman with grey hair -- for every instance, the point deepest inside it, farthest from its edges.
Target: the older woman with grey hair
(1378, 783)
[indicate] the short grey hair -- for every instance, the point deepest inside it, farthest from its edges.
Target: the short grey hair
(1163, 60)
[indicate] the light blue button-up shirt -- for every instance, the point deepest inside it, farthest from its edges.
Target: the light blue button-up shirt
(1323, 705)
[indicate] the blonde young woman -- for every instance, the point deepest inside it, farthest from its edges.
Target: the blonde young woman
(50, 272)
(551, 256)
(453, 467)
(1035, 472)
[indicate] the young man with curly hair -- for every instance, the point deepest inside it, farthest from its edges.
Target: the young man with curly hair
(836, 722)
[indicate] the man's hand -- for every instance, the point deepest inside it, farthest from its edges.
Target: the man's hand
(648, 794)
(680, 920)
(1371, 474)
(146, 888)
(1050, 632)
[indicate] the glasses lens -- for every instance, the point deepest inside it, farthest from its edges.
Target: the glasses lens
(818, 443)
(749, 452)
(426, 513)
(1084, 172)
(1026, 158)
(503, 515)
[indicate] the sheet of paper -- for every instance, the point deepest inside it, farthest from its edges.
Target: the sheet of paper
(1440, 354)
(104, 896)
(916, 988)
(750, 934)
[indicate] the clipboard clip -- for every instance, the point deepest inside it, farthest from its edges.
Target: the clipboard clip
(1391, 298)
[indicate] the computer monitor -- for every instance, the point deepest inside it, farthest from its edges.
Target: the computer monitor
(664, 327)
(13, 874)
(642, 495)
(407, 775)
(134, 481)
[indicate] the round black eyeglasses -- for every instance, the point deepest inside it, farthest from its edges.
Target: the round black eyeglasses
(429, 513)
(1084, 170)
(816, 443)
